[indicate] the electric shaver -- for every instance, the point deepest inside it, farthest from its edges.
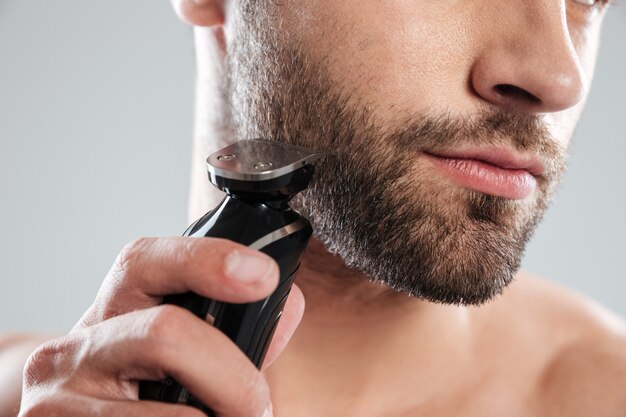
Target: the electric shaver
(259, 178)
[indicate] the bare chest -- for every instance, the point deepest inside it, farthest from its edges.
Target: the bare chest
(495, 385)
(495, 399)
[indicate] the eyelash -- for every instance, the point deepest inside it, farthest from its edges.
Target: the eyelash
(603, 3)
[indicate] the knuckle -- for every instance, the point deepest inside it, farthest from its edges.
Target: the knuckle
(47, 361)
(36, 409)
(129, 254)
(189, 253)
(118, 280)
(138, 244)
(165, 323)
(40, 364)
(164, 332)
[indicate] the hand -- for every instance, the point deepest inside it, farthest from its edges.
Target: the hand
(126, 336)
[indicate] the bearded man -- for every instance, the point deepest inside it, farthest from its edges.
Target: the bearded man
(446, 126)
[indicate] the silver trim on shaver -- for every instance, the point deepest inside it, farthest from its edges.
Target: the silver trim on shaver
(277, 234)
(259, 160)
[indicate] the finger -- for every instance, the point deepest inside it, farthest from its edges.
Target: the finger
(73, 405)
(148, 409)
(168, 341)
(289, 321)
(150, 268)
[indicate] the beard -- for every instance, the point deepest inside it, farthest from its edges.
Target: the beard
(373, 202)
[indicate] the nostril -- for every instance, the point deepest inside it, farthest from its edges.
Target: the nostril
(515, 93)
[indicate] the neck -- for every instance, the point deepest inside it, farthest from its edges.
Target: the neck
(339, 295)
(350, 323)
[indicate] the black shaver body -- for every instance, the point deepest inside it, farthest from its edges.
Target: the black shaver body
(259, 177)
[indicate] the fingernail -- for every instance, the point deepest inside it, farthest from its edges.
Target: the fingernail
(249, 266)
(268, 413)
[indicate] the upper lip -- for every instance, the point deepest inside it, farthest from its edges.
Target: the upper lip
(505, 158)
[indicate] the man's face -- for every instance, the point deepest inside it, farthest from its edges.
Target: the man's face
(407, 97)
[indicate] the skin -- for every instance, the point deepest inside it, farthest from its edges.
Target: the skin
(537, 350)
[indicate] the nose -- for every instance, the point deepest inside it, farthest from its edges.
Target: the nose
(530, 62)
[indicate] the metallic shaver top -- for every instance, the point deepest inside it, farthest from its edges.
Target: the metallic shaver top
(262, 170)
(258, 160)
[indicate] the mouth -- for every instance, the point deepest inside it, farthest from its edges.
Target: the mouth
(497, 172)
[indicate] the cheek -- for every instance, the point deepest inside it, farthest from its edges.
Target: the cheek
(394, 56)
(562, 124)
(405, 57)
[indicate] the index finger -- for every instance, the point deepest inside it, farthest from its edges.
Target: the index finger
(149, 268)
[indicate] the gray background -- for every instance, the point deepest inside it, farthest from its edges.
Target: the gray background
(95, 143)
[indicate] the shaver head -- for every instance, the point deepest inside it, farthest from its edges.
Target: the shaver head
(261, 169)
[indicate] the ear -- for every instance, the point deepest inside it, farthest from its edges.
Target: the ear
(200, 12)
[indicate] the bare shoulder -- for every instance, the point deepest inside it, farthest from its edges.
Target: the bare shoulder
(584, 372)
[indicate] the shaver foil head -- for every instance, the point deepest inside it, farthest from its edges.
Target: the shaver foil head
(262, 168)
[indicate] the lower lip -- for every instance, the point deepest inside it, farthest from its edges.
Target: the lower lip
(514, 184)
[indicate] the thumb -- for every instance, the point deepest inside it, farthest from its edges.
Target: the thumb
(292, 314)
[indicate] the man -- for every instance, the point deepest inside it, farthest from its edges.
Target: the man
(446, 126)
